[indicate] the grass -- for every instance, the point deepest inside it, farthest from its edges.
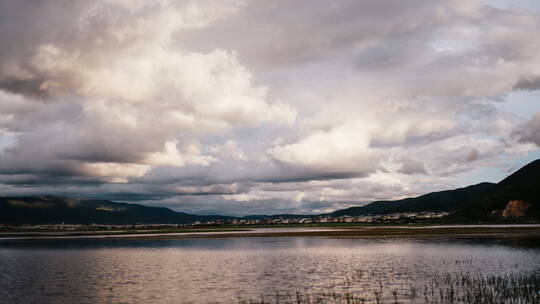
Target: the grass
(522, 288)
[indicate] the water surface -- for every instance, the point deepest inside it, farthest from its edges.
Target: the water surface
(222, 270)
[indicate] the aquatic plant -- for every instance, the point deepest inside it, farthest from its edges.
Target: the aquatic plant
(440, 288)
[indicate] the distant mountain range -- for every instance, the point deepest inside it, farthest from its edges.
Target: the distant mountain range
(43, 210)
(484, 201)
(449, 200)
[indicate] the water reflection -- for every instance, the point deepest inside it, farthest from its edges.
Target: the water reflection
(221, 270)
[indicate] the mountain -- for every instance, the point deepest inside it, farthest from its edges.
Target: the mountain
(522, 186)
(519, 193)
(448, 200)
(50, 210)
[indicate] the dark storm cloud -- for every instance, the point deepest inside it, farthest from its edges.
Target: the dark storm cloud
(29, 87)
(529, 83)
(530, 132)
(411, 166)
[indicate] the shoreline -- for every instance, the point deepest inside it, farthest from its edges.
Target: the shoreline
(333, 232)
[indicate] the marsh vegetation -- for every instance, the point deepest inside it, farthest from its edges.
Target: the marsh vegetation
(436, 288)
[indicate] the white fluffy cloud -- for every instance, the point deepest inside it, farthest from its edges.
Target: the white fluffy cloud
(344, 150)
(134, 95)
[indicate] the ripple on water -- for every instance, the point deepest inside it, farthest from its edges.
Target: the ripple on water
(221, 270)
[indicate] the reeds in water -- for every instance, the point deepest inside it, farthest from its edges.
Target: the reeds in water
(510, 288)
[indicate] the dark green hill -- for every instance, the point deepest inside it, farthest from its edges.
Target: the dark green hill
(523, 185)
(471, 203)
(49, 210)
(449, 200)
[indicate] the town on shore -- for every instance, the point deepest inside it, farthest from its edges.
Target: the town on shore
(406, 217)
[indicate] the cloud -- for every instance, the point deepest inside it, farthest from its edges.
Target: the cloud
(411, 166)
(229, 150)
(529, 83)
(287, 38)
(343, 150)
(530, 131)
(112, 93)
(252, 106)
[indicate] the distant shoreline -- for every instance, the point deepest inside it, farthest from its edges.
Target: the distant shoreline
(333, 232)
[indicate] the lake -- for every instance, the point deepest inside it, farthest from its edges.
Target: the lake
(269, 269)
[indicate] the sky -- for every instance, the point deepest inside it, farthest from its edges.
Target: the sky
(240, 107)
